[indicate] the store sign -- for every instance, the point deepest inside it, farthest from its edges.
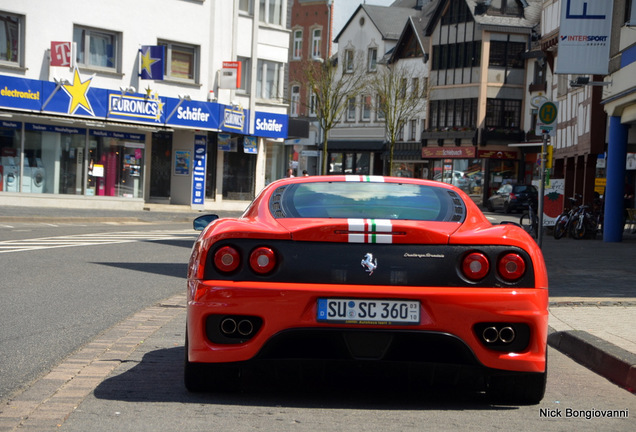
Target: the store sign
(194, 114)
(250, 145)
(198, 173)
(122, 106)
(497, 154)
(60, 54)
(270, 125)
(21, 93)
(52, 128)
(234, 119)
(448, 152)
(584, 34)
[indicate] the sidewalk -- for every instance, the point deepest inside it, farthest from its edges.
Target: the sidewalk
(592, 287)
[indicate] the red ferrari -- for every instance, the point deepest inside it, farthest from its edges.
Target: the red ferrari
(367, 269)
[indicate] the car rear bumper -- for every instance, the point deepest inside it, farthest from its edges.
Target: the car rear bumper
(288, 325)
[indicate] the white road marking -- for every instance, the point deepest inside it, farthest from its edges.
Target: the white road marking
(93, 240)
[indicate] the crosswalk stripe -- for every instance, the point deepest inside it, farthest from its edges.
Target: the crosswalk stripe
(93, 239)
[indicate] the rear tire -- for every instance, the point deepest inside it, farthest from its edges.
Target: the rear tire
(560, 226)
(517, 389)
(212, 377)
(578, 230)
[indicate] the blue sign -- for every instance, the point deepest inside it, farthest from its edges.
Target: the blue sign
(135, 107)
(270, 125)
(234, 120)
(198, 173)
(198, 115)
(51, 128)
(21, 93)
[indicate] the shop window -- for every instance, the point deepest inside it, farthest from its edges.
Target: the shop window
(116, 164)
(11, 39)
(239, 170)
(349, 163)
(10, 158)
(97, 49)
(182, 62)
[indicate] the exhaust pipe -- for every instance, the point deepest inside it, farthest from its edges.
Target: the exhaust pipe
(506, 335)
(490, 334)
(228, 326)
(245, 327)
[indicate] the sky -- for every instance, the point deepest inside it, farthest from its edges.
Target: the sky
(345, 8)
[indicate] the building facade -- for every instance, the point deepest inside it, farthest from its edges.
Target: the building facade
(125, 103)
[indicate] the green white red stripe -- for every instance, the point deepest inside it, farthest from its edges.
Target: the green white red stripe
(364, 178)
(370, 231)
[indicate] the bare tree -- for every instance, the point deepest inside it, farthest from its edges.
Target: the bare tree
(332, 89)
(398, 99)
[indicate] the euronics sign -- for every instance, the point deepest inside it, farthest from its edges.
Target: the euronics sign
(79, 98)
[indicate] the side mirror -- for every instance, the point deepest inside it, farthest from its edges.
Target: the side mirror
(202, 221)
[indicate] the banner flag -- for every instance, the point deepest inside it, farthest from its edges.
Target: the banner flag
(151, 63)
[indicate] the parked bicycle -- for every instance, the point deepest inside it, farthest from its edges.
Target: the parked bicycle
(579, 221)
(562, 224)
(530, 221)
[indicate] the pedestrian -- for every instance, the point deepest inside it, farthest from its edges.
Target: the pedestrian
(290, 173)
(305, 173)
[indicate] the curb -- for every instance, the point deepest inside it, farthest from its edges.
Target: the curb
(606, 359)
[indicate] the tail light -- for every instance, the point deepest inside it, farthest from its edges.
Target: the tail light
(262, 260)
(475, 266)
(226, 259)
(511, 267)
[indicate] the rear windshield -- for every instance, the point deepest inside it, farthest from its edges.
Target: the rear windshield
(367, 200)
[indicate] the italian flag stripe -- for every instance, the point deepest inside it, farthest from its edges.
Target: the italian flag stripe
(370, 231)
(364, 178)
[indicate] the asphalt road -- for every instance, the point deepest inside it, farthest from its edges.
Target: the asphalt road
(63, 285)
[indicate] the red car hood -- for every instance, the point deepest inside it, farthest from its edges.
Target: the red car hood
(369, 230)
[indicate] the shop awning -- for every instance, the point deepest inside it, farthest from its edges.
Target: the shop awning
(355, 145)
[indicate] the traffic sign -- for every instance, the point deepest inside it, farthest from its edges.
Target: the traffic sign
(546, 118)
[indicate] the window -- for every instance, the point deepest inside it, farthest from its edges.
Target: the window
(453, 112)
(295, 101)
(507, 54)
(372, 64)
(379, 115)
(97, 48)
(503, 113)
(313, 104)
(403, 85)
(268, 79)
(246, 70)
(366, 108)
(246, 6)
(348, 61)
(271, 11)
(351, 109)
(297, 53)
(182, 62)
(416, 87)
(11, 39)
(413, 130)
(316, 39)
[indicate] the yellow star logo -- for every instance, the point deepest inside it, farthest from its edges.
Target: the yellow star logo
(77, 91)
(147, 62)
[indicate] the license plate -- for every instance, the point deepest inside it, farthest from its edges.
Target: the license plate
(368, 311)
